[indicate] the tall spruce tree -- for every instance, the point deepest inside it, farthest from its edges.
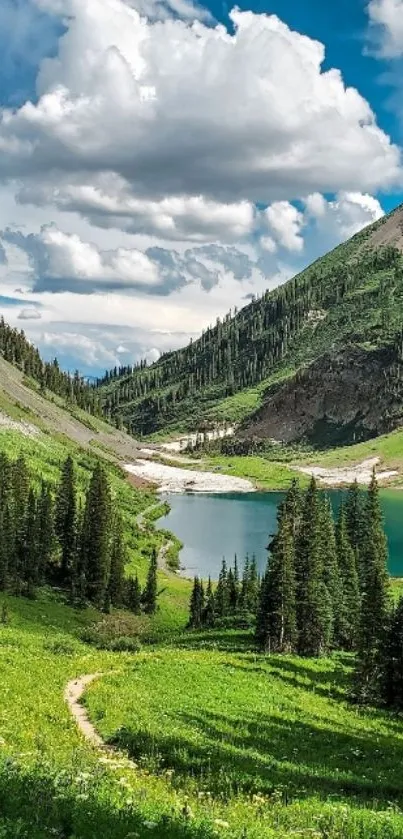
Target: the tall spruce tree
(150, 592)
(222, 594)
(355, 525)
(375, 599)
(46, 534)
(66, 520)
(96, 537)
(197, 605)
(133, 595)
(276, 625)
(314, 608)
(391, 682)
(331, 574)
(31, 553)
(208, 618)
(20, 485)
(348, 614)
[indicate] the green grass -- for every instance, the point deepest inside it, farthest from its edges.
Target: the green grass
(266, 474)
(272, 743)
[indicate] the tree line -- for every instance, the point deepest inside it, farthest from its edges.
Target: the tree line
(67, 539)
(325, 588)
(17, 350)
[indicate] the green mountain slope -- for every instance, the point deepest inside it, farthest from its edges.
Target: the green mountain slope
(352, 296)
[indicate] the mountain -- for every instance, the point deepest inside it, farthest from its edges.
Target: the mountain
(352, 298)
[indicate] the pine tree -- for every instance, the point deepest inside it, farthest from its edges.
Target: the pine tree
(348, 614)
(243, 598)
(46, 534)
(375, 598)
(96, 539)
(4, 558)
(197, 604)
(222, 594)
(276, 627)
(252, 589)
(66, 520)
(150, 592)
(331, 575)
(355, 525)
(233, 593)
(133, 596)
(208, 617)
(391, 682)
(30, 572)
(314, 615)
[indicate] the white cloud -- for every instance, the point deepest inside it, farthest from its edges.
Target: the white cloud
(345, 216)
(386, 19)
(285, 223)
(110, 203)
(190, 110)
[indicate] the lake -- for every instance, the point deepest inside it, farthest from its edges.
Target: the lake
(215, 526)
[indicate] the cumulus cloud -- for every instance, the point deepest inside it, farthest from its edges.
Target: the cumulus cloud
(285, 223)
(30, 313)
(346, 215)
(110, 202)
(191, 110)
(62, 262)
(386, 20)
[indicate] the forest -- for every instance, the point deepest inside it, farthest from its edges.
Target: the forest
(326, 588)
(66, 540)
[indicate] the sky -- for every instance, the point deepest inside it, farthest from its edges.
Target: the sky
(162, 162)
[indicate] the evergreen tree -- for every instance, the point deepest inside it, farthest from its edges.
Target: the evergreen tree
(355, 525)
(375, 598)
(208, 617)
(276, 627)
(96, 537)
(233, 592)
(331, 575)
(221, 599)
(150, 592)
(314, 608)
(348, 614)
(133, 596)
(197, 605)
(391, 682)
(4, 554)
(46, 534)
(243, 597)
(30, 573)
(66, 520)
(252, 588)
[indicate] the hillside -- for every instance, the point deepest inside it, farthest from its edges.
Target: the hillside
(351, 297)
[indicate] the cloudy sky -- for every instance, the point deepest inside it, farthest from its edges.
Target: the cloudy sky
(161, 161)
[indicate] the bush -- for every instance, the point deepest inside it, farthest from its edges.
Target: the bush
(118, 633)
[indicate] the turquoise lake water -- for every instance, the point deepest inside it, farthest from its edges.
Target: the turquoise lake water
(215, 526)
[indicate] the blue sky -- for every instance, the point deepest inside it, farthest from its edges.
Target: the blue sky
(156, 172)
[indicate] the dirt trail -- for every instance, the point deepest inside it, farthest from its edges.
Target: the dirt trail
(73, 693)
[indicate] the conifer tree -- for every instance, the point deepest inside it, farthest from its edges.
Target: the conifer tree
(243, 597)
(150, 592)
(30, 572)
(4, 557)
(276, 627)
(233, 593)
(97, 537)
(314, 610)
(391, 683)
(46, 533)
(134, 595)
(355, 525)
(375, 598)
(348, 614)
(197, 604)
(252, 589)
(66, 520)
(221, 599)
(331, 575)
(208, 617)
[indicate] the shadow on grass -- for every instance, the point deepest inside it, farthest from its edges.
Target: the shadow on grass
(262, 754)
